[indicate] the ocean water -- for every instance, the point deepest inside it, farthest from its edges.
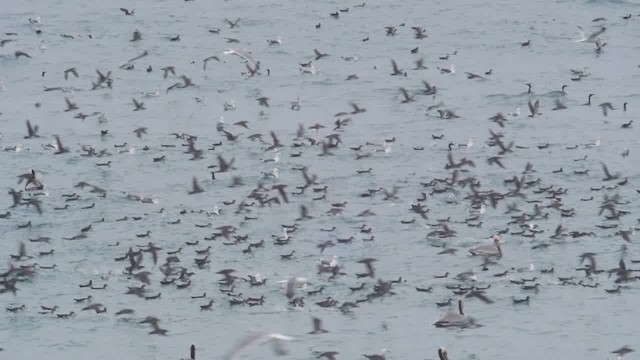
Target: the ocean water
(477, 36)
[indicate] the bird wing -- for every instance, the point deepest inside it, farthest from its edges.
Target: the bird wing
(275, 138)
(606, 171)
(291, 285)
(196, 186)
(250, 340)
(531, 108)
(404, 93)
(395, 66)
(582, 37)
(596, 33)
(59, 143)
(243, 54)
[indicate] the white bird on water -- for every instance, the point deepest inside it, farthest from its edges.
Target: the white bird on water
(330, 263)
(285, 235)
(215, 211)
(155, 93)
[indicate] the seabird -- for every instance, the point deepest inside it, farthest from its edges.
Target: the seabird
(317, 327)
(246, 55)
(533, 108)
(196, 187)
(139, 105)
(450, 70)
(454, 319)
(443, 354)
(605, 106)
(206, 60)
(593, 37)
(127, 11)
(405, 94)
(623, 351)
(488, 250)
(319, 55)
(276, 41)
(72, 71)
(278, 342)
(232, 24)
(21, 53)
(32, 131)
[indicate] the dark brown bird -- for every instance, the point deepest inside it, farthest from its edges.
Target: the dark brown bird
(396, 70)
(623, 351)
(232, 24)
(368, 262)
(196, 187)
(263, 101)
(169, 69)
(405, 94)
(138, 104)
(607, 174)
(317, 327)
(98, 308)
(205, 61)
(495, 160)
(143, 276)
(154, 322)
(329, 355)
(139, 131)
(127, 11)
(70, 106)
(32, 131)
(319, 55)
(474, 76)
(72, 71)
(21, 53)
(533, 108)
(281, 190)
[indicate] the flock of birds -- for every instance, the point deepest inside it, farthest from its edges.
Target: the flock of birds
(154, 265)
